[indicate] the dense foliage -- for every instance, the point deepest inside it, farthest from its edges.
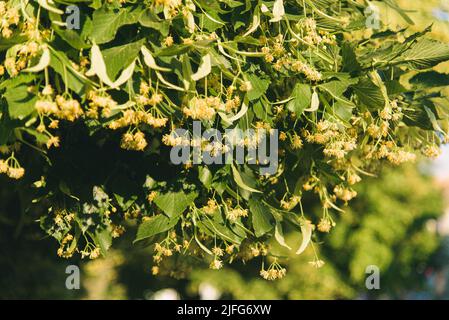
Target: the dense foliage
(86, 117)
(382, 229)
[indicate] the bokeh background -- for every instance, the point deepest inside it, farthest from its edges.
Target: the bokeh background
(399, 222)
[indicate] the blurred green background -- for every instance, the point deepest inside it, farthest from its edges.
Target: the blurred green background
(399, 223)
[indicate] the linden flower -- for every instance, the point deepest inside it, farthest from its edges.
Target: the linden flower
(152, 196)
(94, 253)
(273, 274)
(236, 213)
(210, 207)
(432, 151)
(54, 124)
(353, 178)
(246, 86)
(317, 263)
(155, 270)
(70, 110)
(16, 173)
(217, 251)
(344, 194)
(47, 91)
(216, 264)
(135, 142)
(324, 225)
(156, 98)
(297, 142)
(41, 128)
(168, 41)
(202, 109)
(230, 249)
(400, 157)
(46, 107)
(3, 166)
(291, 203)
(53, 142)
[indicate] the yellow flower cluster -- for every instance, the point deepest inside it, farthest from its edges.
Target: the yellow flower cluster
(232, 104)
(336, 143)
(388, 150)
(353, 177)
(274, 272)
(311, 36)
(13, 171)
(9, 17)
(53, 142)
(172, 140)
(345, 194)
(236, 213)
(291, 203)
(309, 72)
(376, 131)
(91, 253)
(216, 264)
(203, 108)
(217, 251)
(69, 109)
(134, 141)
(339, 148)
(136, 117)
(63, 108)
(275, 53)
(325, 131)
(317, 263)
(211, 207)
(24, 54)
(166, 248)
(64, 250)
(171, 7)
(431, 151)
(100, 102)
(258, 249)
(324, 225)
(297, 142)
(117, 231)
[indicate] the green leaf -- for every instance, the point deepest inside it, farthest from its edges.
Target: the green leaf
(105, 22)
(118, 58)
(430, 79)
(20, 102)
(343, 110)
(369, 94)
(155, 225)
(259, 86)
(261, 216)
(150, 20)
(205, 176)
(174, 203)
(61, 64)
(238, 179)
(103, 239)
(424, 54)
(301, 98)
(349, 58)
(336, 88)
(219, 229)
